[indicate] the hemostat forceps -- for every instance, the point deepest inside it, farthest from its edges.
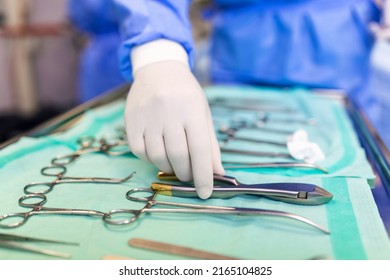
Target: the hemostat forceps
(231, 135)
(38, 209)
(116, 217)
(58, 172)
(256, 153)
(244, 124)
(295, 193)
(88, 145)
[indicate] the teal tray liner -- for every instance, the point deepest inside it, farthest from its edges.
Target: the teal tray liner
(352, 217)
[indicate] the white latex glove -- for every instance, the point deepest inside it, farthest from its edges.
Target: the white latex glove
(168, 123)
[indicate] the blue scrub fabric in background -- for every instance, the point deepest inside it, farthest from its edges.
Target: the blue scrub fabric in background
(310, 43)
(316, 44)
(375, 97)
(307, 43)
(99, 70)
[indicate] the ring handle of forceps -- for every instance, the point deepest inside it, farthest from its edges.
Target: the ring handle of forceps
(46, 170)
(109, 217)
(69, 158)
(85, 142)
(42, 200)
(23, 215)
(48, 188)
(146, 199)
(65, 159)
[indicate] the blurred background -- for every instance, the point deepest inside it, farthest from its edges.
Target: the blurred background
(50, 51)
(39, 57)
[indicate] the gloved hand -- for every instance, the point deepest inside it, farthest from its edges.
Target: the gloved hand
(168, 123)
(382, 30)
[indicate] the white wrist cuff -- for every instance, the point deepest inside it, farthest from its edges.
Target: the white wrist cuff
(386, 13)
(156, 51)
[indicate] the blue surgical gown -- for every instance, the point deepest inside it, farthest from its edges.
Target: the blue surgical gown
(309, 43)
(99, 71)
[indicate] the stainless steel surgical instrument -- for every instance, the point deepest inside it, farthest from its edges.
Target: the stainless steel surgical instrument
(252, 107)
(14, 220)
(20, 238)
(117, 217)
(255, 153)
(116, 147)
(176, 249)
(239, 124)
(11, 241)
(231, 135)
(263, 118)
(245, 165)
(59, 172)
(295, 193)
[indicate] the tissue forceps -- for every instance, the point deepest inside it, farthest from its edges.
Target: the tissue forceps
(59, 172)
(295, 193)
(88, 145)
(39, 209)
(16, 242)
(174, 207)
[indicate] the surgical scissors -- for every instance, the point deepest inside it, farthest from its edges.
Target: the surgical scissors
(59, 172)
(115, 147)
(150, 201)
(39, 209)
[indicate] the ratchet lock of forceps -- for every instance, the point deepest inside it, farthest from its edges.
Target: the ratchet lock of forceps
(295, 193)
(128, 216)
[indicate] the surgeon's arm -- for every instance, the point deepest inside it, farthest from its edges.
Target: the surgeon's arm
(382, 30)
(168, 121)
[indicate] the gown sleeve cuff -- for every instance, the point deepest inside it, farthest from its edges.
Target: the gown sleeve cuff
(157, 51)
